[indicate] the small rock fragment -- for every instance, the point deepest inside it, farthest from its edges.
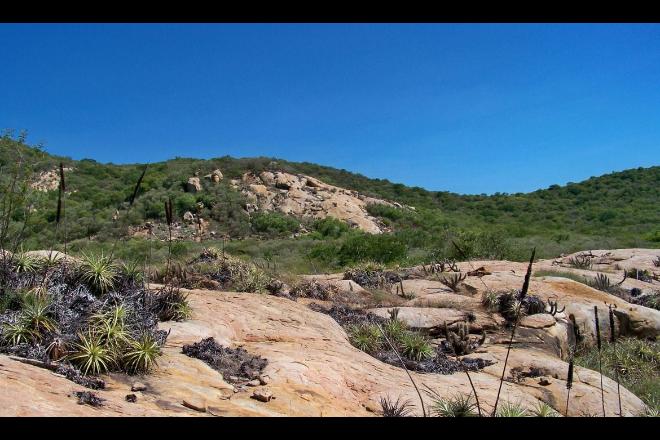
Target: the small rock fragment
(254, 383)
(194, 404)
(264, 380)
(138, 386)
(262, 395)
(131, 398)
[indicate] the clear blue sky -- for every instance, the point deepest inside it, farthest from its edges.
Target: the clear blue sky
(467, 108)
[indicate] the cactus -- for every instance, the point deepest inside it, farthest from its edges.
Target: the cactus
(453, 281)
(554, 307)
(582, 261)
(460, 341)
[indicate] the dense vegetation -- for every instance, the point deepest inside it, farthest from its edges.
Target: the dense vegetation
(612, 211)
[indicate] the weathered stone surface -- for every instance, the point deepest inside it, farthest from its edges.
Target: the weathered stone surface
(262, 395)
(539, 320)
(194, 404)
(299, 345)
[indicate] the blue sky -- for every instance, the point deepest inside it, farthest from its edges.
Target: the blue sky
(477, 108)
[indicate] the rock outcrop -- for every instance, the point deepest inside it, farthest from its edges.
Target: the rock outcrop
(305, 196)
(193, 185)
(300, 345)
(48, 180)
(313, 370)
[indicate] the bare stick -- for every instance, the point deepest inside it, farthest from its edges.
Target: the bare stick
(523, 293)
(600, 358)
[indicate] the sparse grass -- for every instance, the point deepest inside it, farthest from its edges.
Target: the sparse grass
(170, 304)
(17, 333)
(252, 280)
(639, 366)
(131, 272)
(561, 274)
(395, 329)
(36, 315)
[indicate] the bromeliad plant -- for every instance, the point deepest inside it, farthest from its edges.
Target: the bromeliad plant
(458, 405)
(396, 408)
(99, 272)
(142, 355)
(92, 355)
(25, 263)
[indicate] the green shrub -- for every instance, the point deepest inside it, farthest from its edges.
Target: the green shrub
(381, 248)
(381, 210)
(330, 227)
(274, 224)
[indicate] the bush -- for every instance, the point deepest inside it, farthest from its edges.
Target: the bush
(274, 224)
(381, 248)
(330, 227)
(386, 211)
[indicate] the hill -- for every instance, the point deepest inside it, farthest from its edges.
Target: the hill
(617, 210)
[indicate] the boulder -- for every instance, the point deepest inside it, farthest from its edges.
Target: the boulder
(215, 176)
(193, 185)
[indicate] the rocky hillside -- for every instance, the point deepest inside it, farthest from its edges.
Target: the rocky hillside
(273, 198)
(306, 197)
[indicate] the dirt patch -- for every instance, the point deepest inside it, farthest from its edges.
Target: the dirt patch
(235, 364)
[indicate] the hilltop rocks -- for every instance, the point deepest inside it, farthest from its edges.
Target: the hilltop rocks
(305, 196)
(193, 185)
(48, 180)
(215, 176)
